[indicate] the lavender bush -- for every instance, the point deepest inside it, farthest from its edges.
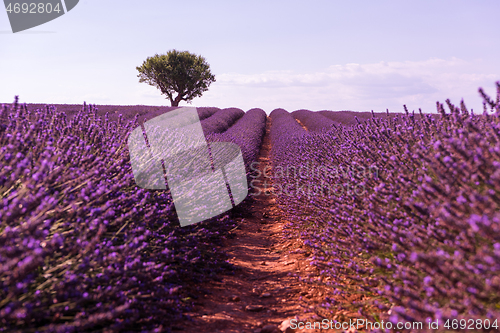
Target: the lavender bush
(221, 120)
(415, 232)
(247, 133)
(285, 135)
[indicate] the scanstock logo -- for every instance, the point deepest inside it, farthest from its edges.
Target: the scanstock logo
(25, 15)
(205, 179)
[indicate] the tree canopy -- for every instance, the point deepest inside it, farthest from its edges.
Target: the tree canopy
(184, 73)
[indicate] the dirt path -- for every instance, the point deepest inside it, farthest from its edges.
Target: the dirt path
(302, 125)
(265, 290)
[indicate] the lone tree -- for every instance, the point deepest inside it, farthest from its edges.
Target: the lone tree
(183, 73)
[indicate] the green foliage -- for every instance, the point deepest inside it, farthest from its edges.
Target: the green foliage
(183, 73)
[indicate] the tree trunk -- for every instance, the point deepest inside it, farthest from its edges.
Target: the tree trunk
(176, 101)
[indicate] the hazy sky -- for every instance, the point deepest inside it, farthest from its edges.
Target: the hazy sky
(317, 55)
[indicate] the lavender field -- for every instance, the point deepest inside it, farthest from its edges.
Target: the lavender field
(399, 210)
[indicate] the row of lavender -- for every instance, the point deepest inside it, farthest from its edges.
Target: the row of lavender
(285, 135)
(81, 247)
(349, 118)
(314, 121)
(127, 112)
(247, 133)
(220, 121)
(402, 213)
(330, 120)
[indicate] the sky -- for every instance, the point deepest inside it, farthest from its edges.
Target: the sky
(315, 55)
